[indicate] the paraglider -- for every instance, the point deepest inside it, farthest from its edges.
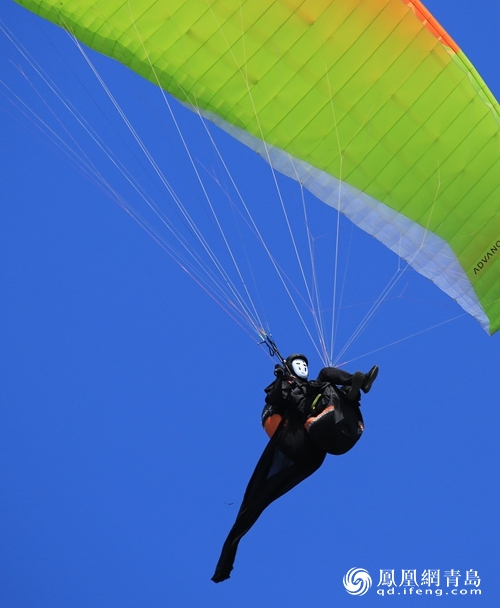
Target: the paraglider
(369, 105)
(280, 395)
(305, 420)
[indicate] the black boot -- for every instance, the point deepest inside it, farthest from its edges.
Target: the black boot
(369, 379)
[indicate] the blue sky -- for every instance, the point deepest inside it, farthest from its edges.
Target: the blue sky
(130, 401)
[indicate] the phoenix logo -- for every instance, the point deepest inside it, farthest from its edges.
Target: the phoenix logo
(357, 581)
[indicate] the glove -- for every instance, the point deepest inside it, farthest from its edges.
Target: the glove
(279, 372)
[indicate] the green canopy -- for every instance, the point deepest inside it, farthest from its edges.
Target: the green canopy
(369, 103)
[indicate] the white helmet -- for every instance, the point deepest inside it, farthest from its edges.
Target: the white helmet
(299, 364)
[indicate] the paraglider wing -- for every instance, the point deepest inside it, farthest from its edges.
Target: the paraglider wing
(370, 104)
